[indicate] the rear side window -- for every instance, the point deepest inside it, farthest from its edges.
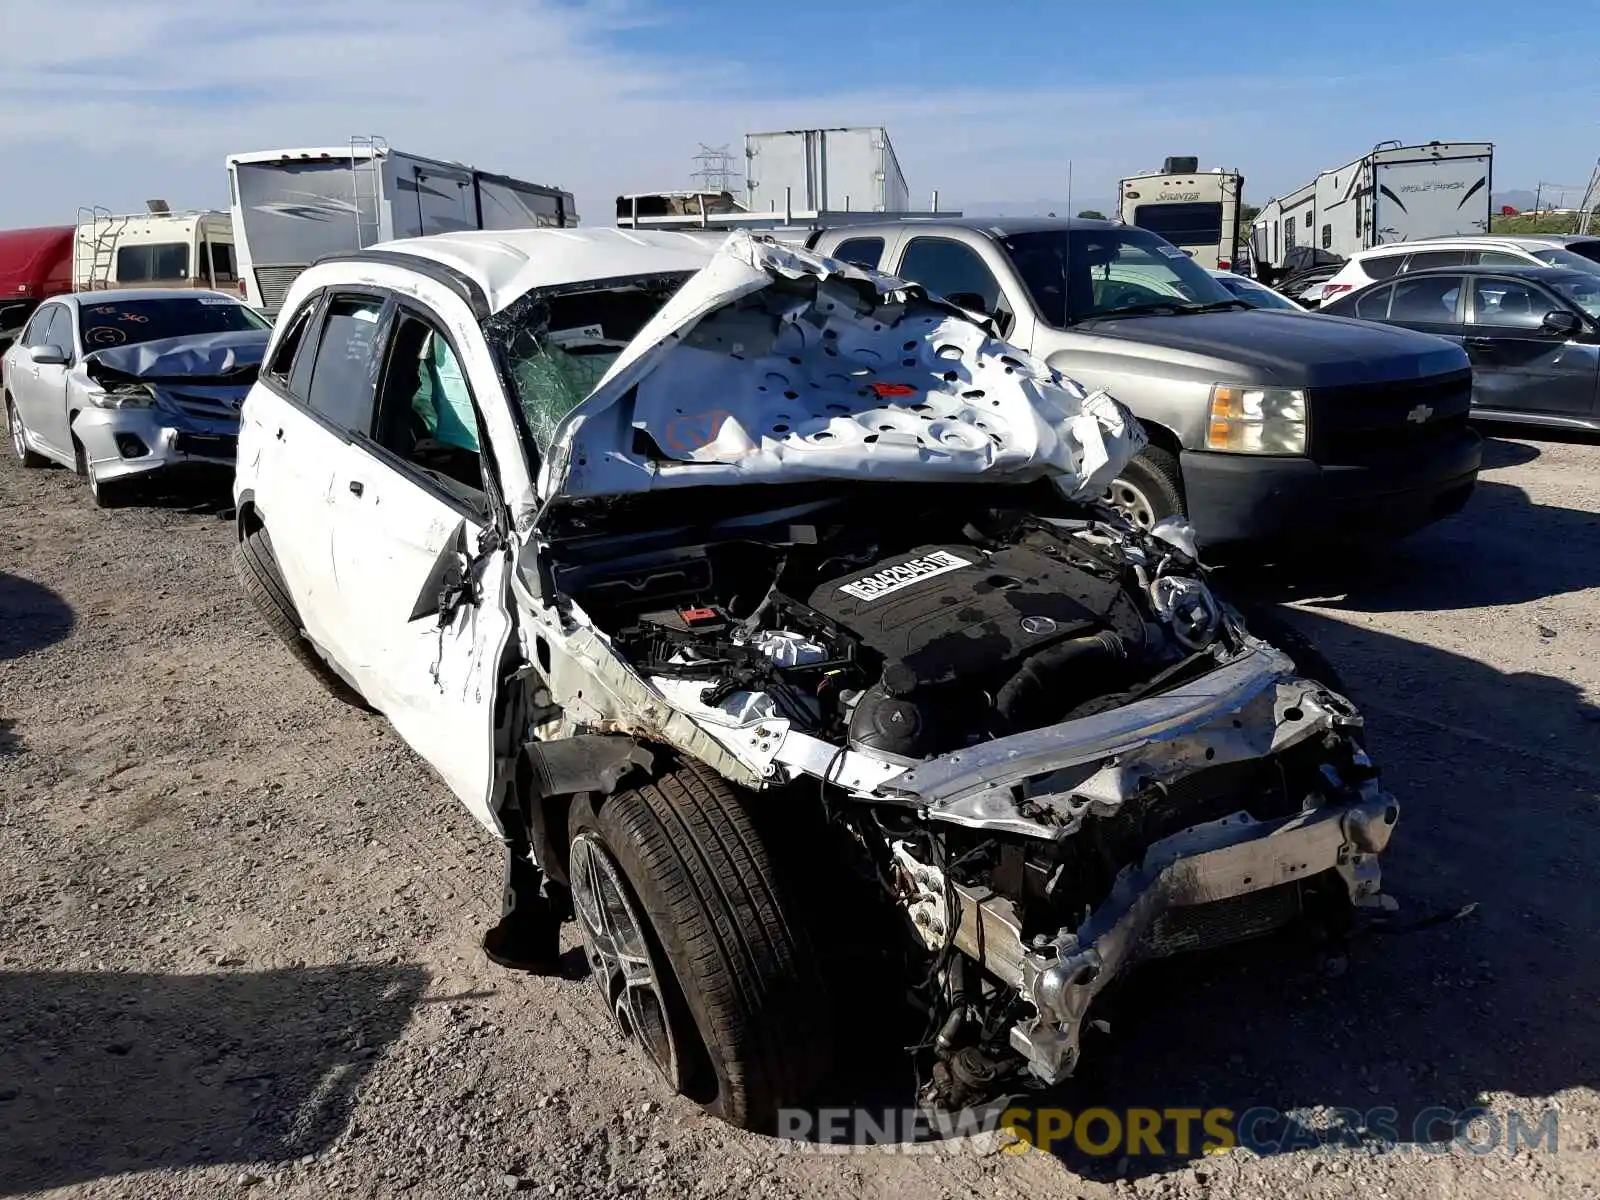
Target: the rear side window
(1383, 266)
(1500, 258)
(1424, 259)
(863, 252)
(1431, 300)
(343, 373)
(1373, 304)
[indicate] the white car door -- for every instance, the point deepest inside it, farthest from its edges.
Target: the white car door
(421, 562)
(39, 390)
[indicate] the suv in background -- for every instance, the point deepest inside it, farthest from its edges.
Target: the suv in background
(1385, 262)
(1265, 427)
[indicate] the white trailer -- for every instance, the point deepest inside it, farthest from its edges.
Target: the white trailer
(1195, 210)
(292, 207)
(155, 248)
(1393, 193)
(819, 169)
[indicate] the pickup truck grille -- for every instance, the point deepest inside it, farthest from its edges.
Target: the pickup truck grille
(1351, 424)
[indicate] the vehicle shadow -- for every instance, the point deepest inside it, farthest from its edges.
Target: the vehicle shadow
(103, 1073)
(1501, 549)
(10, 743)
(31, 616)
(1446, 1003)
(203, 494)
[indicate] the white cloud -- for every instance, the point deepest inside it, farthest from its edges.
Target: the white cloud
(111, 103)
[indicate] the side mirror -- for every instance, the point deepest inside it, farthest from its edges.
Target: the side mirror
(1561, 322)
(48, 355)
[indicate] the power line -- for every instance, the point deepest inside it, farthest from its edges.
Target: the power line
(715, 169)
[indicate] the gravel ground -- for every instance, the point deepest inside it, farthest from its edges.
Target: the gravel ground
(239, 921)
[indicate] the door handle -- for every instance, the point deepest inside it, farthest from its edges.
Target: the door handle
(1482, 345)
(357, 487)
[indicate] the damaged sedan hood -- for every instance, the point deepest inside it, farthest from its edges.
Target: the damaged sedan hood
(774, 364)
(234, 356)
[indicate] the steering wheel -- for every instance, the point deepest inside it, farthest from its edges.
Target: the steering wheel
(1123, 296)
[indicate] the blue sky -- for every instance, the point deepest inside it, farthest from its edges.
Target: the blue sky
(112, 103)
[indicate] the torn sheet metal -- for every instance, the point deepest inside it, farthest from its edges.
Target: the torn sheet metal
(777, 364)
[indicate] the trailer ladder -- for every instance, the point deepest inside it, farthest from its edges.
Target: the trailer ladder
(104, 230)
(366, 170)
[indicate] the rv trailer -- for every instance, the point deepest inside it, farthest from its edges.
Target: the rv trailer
(292, 207)
(1195, 210)
(1393, 193)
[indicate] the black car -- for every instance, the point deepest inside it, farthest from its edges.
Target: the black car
(1532, 333)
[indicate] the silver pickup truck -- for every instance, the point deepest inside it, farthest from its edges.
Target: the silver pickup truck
(1266, 427)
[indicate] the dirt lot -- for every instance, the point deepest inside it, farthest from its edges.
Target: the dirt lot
(239, 921)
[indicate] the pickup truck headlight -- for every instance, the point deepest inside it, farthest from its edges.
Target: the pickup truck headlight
(133, 395)
(1249, 420)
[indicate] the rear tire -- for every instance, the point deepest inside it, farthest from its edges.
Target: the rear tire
(1149, 489)
(19, 444)
(258, 573)
(740, 987)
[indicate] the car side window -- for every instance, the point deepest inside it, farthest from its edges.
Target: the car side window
(953, 270)
(426, 414)
(59, 331)
(863, 251)
(1373, 304)
(343, 372)
(34, 334)
(1508, 304)
(280, 366)
(1431, 300)
(1383, 266)
(1501, 258)
(1422, 260)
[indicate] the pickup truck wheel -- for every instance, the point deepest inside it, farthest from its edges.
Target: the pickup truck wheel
(694, 947)
(257, 569)
(1149, 488)
(19, 443)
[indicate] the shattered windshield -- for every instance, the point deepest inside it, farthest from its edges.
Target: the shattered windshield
(1076, 274)
(556, 344)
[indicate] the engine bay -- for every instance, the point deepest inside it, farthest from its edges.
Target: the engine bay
(906, 638)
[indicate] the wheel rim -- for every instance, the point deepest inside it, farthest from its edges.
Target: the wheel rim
(620, 961)
(19, 444)
(1131, 502)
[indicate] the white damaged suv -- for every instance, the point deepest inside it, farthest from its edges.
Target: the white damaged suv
(752, 600)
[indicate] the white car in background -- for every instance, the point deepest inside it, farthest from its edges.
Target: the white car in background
(1509, 250)
(1257, 295)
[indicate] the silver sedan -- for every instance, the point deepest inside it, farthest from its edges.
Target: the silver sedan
(121, 385)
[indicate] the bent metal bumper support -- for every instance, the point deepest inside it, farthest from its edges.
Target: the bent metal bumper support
(1224, 859)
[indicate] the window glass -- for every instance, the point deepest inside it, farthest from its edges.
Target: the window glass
(59, 331)
(1583, 290)
(129, 322)
(1500, 258)
(33, 335)
(153, 262)
(1288, 233)
(863, 252)
(1589, 250)
(1556, 257)
(289, 345)
(1182, 224)
(1255, 295)
(1383, 266)
(1373, 304)
(425, 413)
(1080, 273)
(222, 260)
(951, 270)
(1327, 237)
(1424, 259)
(1509, 304)
(1426, 300)
(341, 377)
(1308, 218)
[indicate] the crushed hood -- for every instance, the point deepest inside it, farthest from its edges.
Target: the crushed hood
(774, 364)
(233, 357)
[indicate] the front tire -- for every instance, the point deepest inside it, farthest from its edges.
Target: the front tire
(1149, 489)
(737, 1016)
(108, 493)
(19, 442)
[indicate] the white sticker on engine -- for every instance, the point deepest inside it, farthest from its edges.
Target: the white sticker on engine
(892, 579)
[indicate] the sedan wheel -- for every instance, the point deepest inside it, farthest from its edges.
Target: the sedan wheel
(620, 961)
(19, 439)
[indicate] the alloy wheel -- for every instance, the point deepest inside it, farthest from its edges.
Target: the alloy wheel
(1131, 502)
(19, 441)
(621, 961)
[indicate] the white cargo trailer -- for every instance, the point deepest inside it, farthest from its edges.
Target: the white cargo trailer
(819, 169)
(1393, 193)
(1195, 210)
(292, 207)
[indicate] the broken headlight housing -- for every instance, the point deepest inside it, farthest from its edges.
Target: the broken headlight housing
(1251, 420)
(132, 395)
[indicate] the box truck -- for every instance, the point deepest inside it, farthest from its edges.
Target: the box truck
(820, 169)
(292, 207)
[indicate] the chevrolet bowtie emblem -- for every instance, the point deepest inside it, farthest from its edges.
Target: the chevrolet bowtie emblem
(1420, 413)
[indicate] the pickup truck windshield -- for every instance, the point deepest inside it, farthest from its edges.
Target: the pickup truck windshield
(1077, 274)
